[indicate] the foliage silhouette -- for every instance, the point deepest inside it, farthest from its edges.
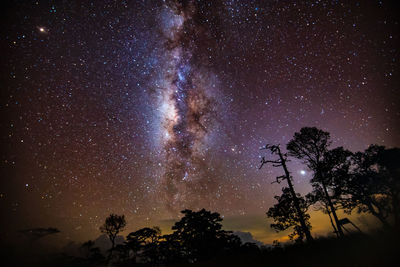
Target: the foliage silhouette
(286, 215)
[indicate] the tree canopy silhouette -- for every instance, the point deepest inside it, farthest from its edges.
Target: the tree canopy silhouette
(197, 236)
(200, 235)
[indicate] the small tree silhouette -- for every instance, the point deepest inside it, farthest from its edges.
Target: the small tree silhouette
(289, 200)
(310, 145)
(113, 225)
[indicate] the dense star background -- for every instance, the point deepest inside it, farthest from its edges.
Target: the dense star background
(145, 108)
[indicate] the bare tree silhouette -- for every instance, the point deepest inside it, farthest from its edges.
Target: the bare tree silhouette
(289, 200)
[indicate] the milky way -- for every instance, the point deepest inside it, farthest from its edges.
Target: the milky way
(187, 108)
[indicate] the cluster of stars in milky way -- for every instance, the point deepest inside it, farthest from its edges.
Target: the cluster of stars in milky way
(145, 108)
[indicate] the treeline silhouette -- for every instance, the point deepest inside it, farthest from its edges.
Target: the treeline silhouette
(197, 237)
(366, 182)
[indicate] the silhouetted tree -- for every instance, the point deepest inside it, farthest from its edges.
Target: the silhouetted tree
(200, 235)
(285, 215)
(113, 225)
(294, 198)
(310, 145)
(374, 185)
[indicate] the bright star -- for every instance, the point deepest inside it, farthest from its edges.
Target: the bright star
(303, 172)
(42, 29)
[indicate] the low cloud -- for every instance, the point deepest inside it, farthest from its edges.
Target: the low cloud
(247, 237)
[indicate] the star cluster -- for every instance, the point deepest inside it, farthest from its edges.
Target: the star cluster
(148, 107)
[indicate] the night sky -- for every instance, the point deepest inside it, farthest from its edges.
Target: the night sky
(145, 108)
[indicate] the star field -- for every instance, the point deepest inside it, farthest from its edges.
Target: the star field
(144, 108)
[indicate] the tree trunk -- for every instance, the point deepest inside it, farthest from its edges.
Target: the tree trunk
(330, 218)
(111, 251)
(333, 210)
